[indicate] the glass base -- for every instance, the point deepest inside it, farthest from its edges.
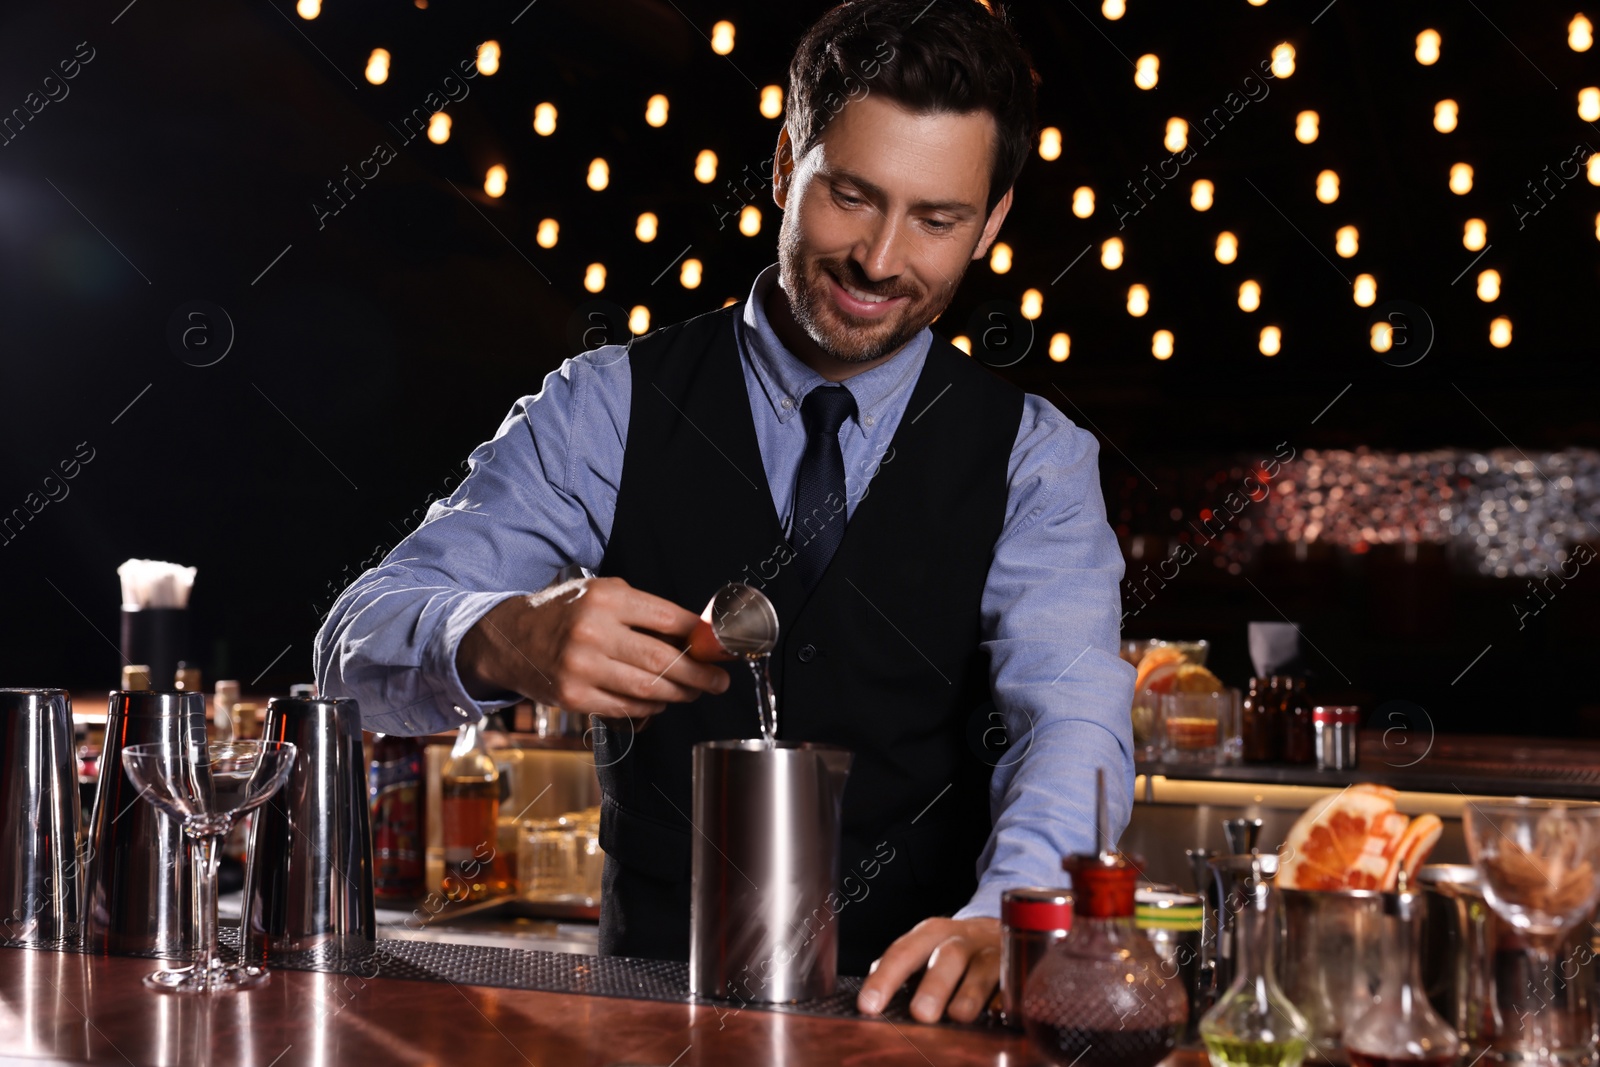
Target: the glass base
(220, 977)
(1539, 1057)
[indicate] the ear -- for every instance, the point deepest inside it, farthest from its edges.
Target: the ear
(991, 229)
(782, 168)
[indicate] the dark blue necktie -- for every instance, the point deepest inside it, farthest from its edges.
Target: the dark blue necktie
(819, 495)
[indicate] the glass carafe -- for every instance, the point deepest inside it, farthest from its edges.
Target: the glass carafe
(1254, 1024)
(1401, 1027)
(1101, 996)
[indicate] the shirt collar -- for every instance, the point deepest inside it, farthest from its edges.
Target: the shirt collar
(786, 380)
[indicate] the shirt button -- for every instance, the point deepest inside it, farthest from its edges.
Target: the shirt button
(788, 402)
(868, 421)
(807, 653)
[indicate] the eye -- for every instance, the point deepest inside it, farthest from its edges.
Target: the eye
(846, 199)
(939, 225)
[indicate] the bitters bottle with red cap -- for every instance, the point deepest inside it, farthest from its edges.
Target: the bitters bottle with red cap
(1100, 997)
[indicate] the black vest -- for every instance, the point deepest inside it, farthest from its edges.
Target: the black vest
(882, 657)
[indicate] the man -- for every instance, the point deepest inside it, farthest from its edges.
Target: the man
(933, 539)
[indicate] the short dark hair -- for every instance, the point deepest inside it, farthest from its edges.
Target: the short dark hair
(925, 55)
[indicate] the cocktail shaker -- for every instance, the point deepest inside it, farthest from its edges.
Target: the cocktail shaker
(765, 870)
(139, 884)
(309, 880)
(39, 811)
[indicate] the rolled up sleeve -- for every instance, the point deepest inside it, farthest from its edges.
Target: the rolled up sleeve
(1051, 623)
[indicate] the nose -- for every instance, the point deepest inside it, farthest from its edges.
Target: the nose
(881, 252)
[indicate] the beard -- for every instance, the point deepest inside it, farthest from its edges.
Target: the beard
(839, 334)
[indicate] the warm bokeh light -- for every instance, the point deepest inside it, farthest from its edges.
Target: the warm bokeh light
(1283, 60)
(1050, 144)
(1580, 33)
(1111, 253)
(1146, 71)
(1327, 186)
(1500, 332)
(1202, 195)
(1489, 286)
(705, 166)
(1113, 9)
(1365, 290)
(1474, 234)
(1138, 300)
(1445, 114)
(594, 278)
(1382, 337)
(494, 182)
(1428, 47)
(544, 119)
(1249, 295)
(1597, 227)
(645, 228)
(772, 101)
(599, 174)
(1271, 340)
(549, 233)
(1461, 179)
(722, 37)
(1032, 304)
(1060, 347)
(750, 220)
(439, 128)
(962, 342)
(1161, 344)
(308, 9)
(488, 57)
(1000, 257)
(1589, 104)
(1593, 168)
(689, 274)
(1346, 241)
(1306, 127)
(655, 110)
(639, 319)
(1177, 138)
(1083, 201)
(378, 66)
(1227, 247)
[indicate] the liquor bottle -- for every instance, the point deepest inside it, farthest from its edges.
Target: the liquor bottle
(1254, 1024)
(469, 814)
(1401, 1029)
(1300, 733)
(1258, 718)
(1102, 996)
(396, 791)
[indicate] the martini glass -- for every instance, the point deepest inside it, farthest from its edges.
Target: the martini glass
(207, 787)
(1539, 862)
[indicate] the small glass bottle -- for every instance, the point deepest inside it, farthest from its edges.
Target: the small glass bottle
(1101, 996)
(1401, 1027)
(1257, 725)
(396, 788)
(469, 817)
(1300, 734)
(1254, 1023)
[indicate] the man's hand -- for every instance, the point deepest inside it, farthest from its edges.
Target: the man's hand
(594, 646)
(963, 958)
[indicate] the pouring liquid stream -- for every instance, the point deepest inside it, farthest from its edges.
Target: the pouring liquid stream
(766, 700)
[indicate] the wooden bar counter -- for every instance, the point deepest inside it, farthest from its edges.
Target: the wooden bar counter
(70, 1008)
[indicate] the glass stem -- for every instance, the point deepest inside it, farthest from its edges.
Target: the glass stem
(204, 856)
(1541, 1032)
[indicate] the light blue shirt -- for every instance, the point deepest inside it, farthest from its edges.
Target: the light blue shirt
(542, 493)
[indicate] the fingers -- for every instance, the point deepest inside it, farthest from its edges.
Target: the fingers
(670, 665)
(976, 989)
(636, 608)
(899, 962)
(945, 968)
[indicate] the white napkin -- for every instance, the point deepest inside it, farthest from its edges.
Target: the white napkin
(149, 583)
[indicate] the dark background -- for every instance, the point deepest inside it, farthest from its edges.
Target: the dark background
(377, 350)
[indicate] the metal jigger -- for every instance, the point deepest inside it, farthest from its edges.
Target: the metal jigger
(39, 886)
(739, 621)
(309, 881)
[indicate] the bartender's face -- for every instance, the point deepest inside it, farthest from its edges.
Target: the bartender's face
(881, 218)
